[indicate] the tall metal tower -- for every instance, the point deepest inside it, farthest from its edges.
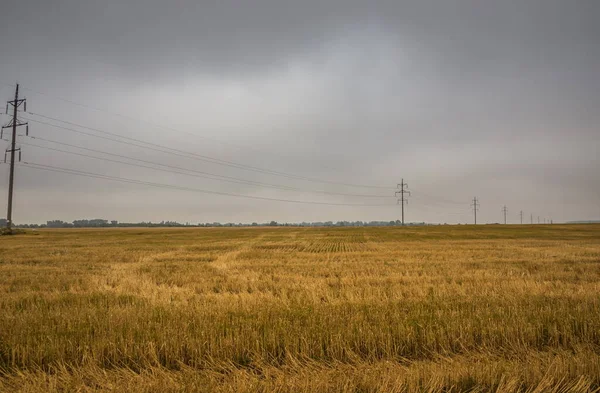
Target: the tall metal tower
(14, 123)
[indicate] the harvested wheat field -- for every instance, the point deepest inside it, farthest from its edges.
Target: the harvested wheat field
(431, 309)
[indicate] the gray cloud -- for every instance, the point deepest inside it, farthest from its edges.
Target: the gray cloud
(461, 98)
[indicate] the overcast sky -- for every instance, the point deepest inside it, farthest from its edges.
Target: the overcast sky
(461, 98)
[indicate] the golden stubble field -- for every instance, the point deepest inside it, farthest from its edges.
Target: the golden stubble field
(432, 309)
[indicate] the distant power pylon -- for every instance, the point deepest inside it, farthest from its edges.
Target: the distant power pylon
(504, 210)
(403, 190)
(475, 205)
(521, 214)
(531, 218)
(14, 123)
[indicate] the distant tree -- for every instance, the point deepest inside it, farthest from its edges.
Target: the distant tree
(58, 224)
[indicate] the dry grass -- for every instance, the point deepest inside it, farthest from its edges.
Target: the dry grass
(436, 309)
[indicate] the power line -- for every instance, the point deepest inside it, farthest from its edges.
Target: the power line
(204, 175)
(115, 137)
(521, 214)
(170, 150)
(436, 205)
(14, 123)
(403, 190)
(505, 210)
(420, 194)
(144, 121)
(131, 118)
(156, 147)
(475, 206)
(170, 186)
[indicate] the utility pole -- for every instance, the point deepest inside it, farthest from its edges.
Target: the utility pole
(475, 206)
(504, 210)
(403, 190)
(14, 123)
(531, 218)
(521, 214)
(538, 219)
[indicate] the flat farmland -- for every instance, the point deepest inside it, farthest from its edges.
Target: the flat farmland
(435, 309)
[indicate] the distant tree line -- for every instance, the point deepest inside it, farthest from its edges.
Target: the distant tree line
(101, 223)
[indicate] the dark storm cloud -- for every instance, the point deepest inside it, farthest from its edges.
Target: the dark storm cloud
(460, 96)
(238, 36)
